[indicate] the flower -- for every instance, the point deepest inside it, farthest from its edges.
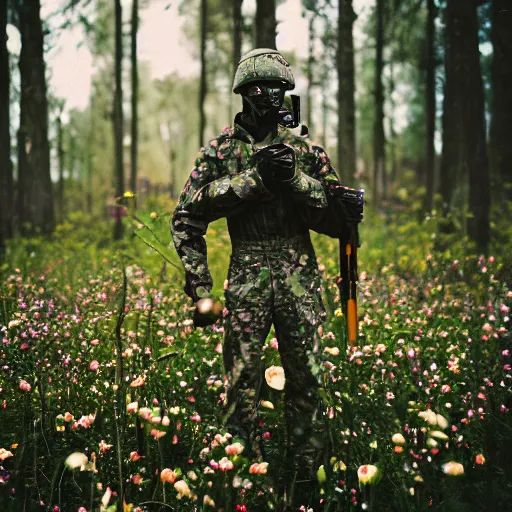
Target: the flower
(139, 381)
(94, 365)
(25, 386)
(333, 351)
(439, 435)
(234, 449)
(4, 454)
(453, 468)
(134, 456)
(76, 460)
(132, 407)
(183, 489)
(258, 468)
(274, 375)
(442, 421)
(168, 475)
(480, 459)
(429, 416)
(398, 439)
(225, 464)
(368, 474)
(267, 404)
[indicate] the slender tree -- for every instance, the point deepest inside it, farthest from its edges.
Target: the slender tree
(473, 122)
(118, 116)
(430, 105)
(265, 24)
(60, 155)
(501, 109)
(238, 23)
(452, 117)
(346, 92)
(135, 96)
(379, 151)
(35, 197)
(310, 69)
(6, 178)
(202, 86)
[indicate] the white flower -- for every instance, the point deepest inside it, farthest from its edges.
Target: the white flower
(453, 468)
(398, 439)
(368, 474)
(76, 460)
(275, 377)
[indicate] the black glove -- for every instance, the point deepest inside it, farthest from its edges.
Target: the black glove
(275, 163)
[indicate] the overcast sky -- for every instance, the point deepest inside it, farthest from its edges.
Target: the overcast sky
(161, 42)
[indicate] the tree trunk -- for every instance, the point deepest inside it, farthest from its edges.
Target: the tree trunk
(309, 70)
(430, 107)
(452, 117)
(6, 178)
(346, 93)
(202, 86)
(118, 118)
(237, 42)
(379, 152)
(392, 131)
(265, 24)
(135, 97)
(473, 122)
(35, 195)
(60, 154)
(501, 110)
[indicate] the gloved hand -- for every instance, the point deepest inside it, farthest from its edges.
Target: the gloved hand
(275, 163)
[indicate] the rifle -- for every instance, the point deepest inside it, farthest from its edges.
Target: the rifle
(351, 202)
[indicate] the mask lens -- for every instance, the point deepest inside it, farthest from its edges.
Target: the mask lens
(255, 90)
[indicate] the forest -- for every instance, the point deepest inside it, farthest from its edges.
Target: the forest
(110, 396)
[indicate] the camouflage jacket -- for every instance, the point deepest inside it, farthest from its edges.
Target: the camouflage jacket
(224, 182)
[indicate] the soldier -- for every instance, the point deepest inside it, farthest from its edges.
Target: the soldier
(271, 186)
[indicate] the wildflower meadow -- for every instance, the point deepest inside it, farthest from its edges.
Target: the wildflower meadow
(110, 399)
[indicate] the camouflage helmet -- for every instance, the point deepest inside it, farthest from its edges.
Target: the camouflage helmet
(262, 64)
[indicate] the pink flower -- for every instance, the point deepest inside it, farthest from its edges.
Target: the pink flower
(25, 386)
(196, 418)
(132, 407)
(82, 509)
(487, 327)
(445, 388)
(225, 464)
(157, 434)
(234, 449)
(24, 346)
(94, 365)
(168, 475)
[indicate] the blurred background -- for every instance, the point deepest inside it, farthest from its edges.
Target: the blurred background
(411, 99)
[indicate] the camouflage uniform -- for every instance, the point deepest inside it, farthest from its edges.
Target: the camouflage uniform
(273, 274)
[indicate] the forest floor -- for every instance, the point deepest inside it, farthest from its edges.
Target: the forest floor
(108, 393)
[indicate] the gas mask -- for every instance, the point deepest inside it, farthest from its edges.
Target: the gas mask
(265, 99)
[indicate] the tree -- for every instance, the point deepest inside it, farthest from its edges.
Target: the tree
(501, 108)
(464, 142)
(265, 24)
(35, 196)
(430, 105)
(6, 178)
(346, 92)
(238, 24)
(135, 96)
(118, 116)
(379, 151)
(202, 87)
(60, 155)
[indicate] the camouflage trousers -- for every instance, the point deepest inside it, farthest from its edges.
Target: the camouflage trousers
(279, 284)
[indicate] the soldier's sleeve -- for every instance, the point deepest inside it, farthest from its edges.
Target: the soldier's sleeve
(314, 176)
(209, 194)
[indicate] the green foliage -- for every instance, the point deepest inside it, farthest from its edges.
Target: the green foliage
(433, 330)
